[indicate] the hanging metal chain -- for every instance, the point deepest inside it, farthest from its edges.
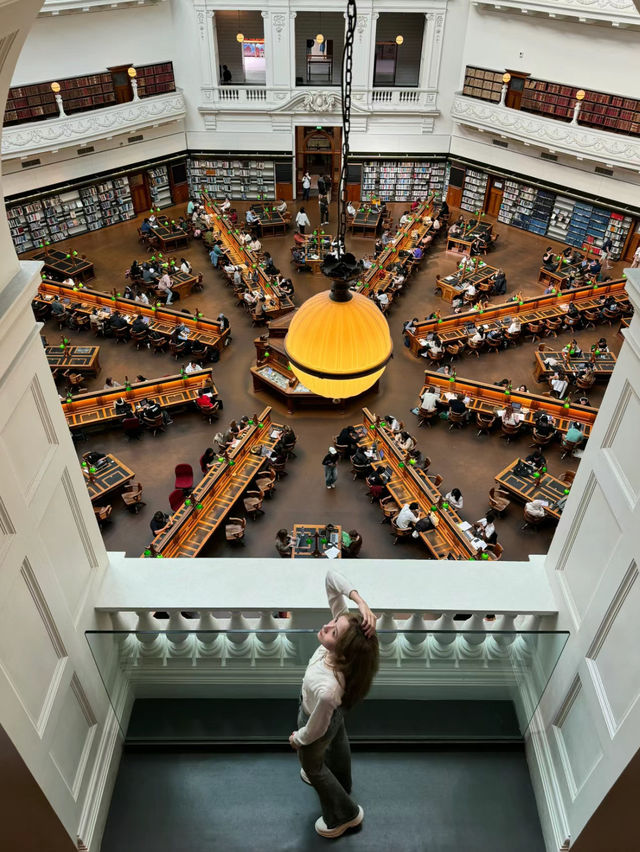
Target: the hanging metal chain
(345, 91)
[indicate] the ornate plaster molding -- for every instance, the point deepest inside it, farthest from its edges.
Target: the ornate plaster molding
(65, 7)
(570, 139)
(614, 13)
(41, 136)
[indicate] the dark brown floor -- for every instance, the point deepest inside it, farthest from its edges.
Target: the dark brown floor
(465, 461)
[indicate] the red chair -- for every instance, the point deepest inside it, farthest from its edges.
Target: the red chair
(176, 499)
(184, 476)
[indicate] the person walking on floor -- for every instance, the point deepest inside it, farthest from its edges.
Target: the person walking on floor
(324, 210)
(302, 220)
(330, 463)
(338, 675)
(306, 185)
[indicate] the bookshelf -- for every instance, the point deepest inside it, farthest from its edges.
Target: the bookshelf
(155, 79)
(549, 99)
(475, 190)
(526, 207)
(36, 101)
(560, 218)
(398, 180)
(159, 186)
(483, 84)
(239, 179)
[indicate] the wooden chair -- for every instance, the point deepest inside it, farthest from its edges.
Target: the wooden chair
(132, 497)
(591, 317)
(541, 440)
(389, 509)
(554, 325)
(234, 529)
(611, 316)
(572, 322)
(177, 348)
(81, 321)
(154, 424)
(496, 549)
(266, 482)
(102, 514)
(484, 422)
(139, 338)
(75, 381)
(397, 532)
(252, 501)
(585, 384)
(568, 447)
(435, 357)
(61, 319)
(209, 412)
(121, 335)
(494, 345)
(453, 350)
(41, 310)
(158, 344)
(568, 476)
(425, 417)
(531, 520)
(341, 449)
(279, 469)
(535, 330)
(499, 500)
(359, 471)
(435, 478)
(509, 431)
(457, 420)
(476, 348)
(512, 337)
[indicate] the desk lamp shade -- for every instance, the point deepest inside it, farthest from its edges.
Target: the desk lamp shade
(338, 349)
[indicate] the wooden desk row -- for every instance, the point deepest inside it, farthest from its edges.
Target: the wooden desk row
(68, 264)
(452, 286)
(270, 219)
(488, 399)
(95, 410)
(526, 488)
(110, 475)
(367, 219)
(602, 364)
(169, 237)
(463, 243)
(456, 328)
(560, 275)
(275, 304)
(191, 527)
(313, 540)
(378, 278)
(407, 484)
(161, 320)
(80, 359)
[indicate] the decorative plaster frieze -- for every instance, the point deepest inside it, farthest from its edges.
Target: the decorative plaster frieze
(570, 139)
(86, 127)
(65, 7)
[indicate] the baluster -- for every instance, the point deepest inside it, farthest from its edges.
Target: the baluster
(527, 642)
(210, 644)
(267, 622)
(179, 641)
(505, 622)
(152, 640)
(239, 644)
(471, 643)
(416, 623)
(238, 622)
(124, 637)
(442, 644)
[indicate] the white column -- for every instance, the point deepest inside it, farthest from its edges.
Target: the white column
(269, 52)
(280, 48)
(372, 47)
(292, 52)
(362, 48)
(207, 45)
(432, 39)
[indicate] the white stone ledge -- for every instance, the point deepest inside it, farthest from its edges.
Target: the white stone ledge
(614, 13)
(557, 136)
(249, 585)
(83, 128)
(65, 7)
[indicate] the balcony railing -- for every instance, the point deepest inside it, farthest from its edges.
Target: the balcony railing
(555, 136)
(86, 127)
(317, 99)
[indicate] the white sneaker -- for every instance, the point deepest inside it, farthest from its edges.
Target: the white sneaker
(305, 777)
(323, 831)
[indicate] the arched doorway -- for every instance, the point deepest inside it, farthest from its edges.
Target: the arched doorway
(318, 151)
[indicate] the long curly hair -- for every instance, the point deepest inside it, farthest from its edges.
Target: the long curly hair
(356, 657)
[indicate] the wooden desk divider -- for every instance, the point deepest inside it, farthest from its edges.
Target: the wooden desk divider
(452, 328)
(95, 410)
(205, 509)
(407, 484)
(161, 319)
(488, 399)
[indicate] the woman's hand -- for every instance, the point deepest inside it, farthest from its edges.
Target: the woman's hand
(294, 745)
(368, 617)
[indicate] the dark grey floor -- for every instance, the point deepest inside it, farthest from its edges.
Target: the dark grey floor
(415, 801)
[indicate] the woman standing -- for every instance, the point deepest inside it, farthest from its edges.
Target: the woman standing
(338, 675)
(302, 220)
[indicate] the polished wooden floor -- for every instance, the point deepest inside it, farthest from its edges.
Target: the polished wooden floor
(465, 461)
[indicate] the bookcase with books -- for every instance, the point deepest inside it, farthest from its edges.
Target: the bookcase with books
(398, 180)
(37, 101)
(28, 225)
(159, 186)
(548, 98)
(526, 207)
(239, 179)
(91, 206)
(483, 84)
(475, 190)
(155, 79)
(618, 231)
(561, 218)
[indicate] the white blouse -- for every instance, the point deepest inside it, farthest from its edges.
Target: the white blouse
(322, 687)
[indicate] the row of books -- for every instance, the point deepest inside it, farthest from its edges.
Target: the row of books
(474, 191)
(239, 179)
(400, 180)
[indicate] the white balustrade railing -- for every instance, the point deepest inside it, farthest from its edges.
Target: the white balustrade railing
(418, 99)
(85, 127)
(573, 139)
(316, 99)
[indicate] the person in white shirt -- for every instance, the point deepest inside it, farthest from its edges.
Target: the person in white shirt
(470, 290)
(477, 336)
(511, 417)
(382, 299)
(192, 367)
(185, 266)
(255, 245)
(164, 285)
(535, 508)
(454, 498)
(306, 185)
(142, 298)
(392, 424)
(338, 675)
(405, 218)
(429, 400)
(69, 281)
(514, 327)
(486, 528)
(152, 218)
(237, 277)
(408, 516)
(436, 225)
(302, 220)
(351, 210)
(282, 207)
(226, 204)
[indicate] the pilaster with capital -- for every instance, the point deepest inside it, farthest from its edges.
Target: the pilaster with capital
(278, 25)
(432, 40)
(364, 43)
(207, 44)
(291, 20)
